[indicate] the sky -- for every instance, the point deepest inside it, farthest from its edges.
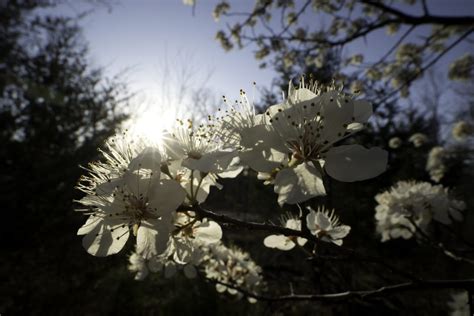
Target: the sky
(142, 36)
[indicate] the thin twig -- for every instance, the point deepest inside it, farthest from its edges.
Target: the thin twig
(360, 294)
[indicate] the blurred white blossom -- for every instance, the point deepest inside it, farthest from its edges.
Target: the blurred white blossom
(394, 142)
(409, 202)
(138, 264)
(462, 68)
(418, 139)
(435, 163)
(232, 267)
(461, 130)
(459, 304)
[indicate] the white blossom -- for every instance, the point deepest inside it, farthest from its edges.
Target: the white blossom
(394, 142)
(189, 235)
(297, 139)
(138, 264)
(418, 139)
(459, 304)
(232, 267)
(140, 202)
(116, 157)
(462, 68)
(236, 119)
(197, 148)
(408, 203)
(283, 242)
(326, 226)
(435, 163)
(461, 130)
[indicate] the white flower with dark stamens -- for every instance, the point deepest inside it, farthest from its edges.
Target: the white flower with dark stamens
(298, 140)
(410, 205)
(418, 139)
(143, 204)
(326, 226)
(283, 242)
(197, 148)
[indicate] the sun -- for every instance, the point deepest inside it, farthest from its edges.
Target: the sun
(151, 124)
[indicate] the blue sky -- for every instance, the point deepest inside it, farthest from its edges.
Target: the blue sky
(143, 35)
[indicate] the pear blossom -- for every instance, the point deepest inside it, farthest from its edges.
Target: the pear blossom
(283, 242)
(141, 203)
(418, 139)
(410, 203)
(461, 130)
(197, 148)
(296, 143)
(326, 226)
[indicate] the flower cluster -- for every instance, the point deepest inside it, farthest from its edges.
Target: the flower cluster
(232, 269)
(151, 191)
(409, 206)
(299, 140)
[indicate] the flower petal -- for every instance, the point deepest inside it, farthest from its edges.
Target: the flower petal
(350, 163)
(208, 232)
(262, 159)
(322, 221)
(107, 238)
(278, 241)
(299, 184)
(149, 158)
(214, 162)
(311, 222)
(152, 238)
(362, 111)
(340, 232)
(166, 196)
(190, 271)
(337, 111)
(89, 225)
(262, 134)
(301, 241)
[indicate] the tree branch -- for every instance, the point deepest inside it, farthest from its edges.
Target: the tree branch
(423, 19)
